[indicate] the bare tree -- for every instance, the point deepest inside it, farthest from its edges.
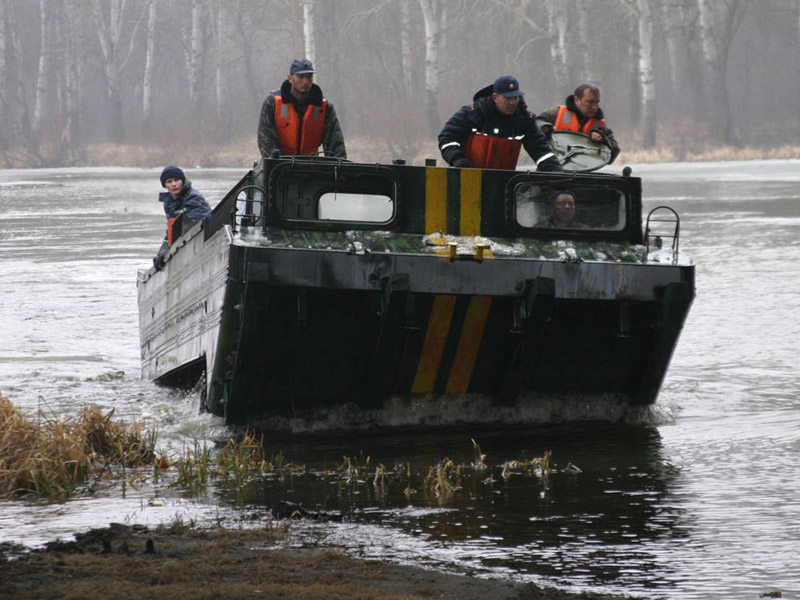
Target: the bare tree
(109, 17)
(433, 15)
(719, 22)
(641, 10)
(584, 67)
(308, 30)
(558, 20)
(66, 26)
(149, 61)
(406, 53)
(18, 115)
(46, 16)
(196, 47)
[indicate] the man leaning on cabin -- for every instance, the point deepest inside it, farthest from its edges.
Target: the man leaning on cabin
(180, 198)
(490, 132)
(580, 113)
(298, 119)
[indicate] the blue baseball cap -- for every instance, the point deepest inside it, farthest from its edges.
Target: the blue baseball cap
(507, 86)
(300, 66)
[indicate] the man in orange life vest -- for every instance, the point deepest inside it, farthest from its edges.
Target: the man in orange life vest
(581, 113)
(490, 132)
(297, 119)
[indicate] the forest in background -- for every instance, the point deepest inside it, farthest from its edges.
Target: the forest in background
(144, 82)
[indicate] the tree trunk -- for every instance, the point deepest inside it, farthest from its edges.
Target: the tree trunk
(4, 138)
(308, 30)
(584, 69)
(719, 22)
(297, 41)
(147, 77)
(634, 79)
(646, 75)
(71, 98)
(108, 35)
(406, 53)
(559, 53)
(18, 113)
(43, 75)
(430, 14)
(197, 54)
(219, 67)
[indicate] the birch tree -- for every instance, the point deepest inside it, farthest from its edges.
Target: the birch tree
(643, 16)
(149, 61)
(433, 15)
(66, 27)
(558, 19)
(196, 52)
(308, 31)
(46, 19)
(584, 69)
(719, 20)
(4, 141)
(406, 54)
(109, 17)
(18, 115)
(676, 24)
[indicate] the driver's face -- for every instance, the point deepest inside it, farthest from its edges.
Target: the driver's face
(564, 208)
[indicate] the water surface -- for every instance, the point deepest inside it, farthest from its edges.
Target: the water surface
(695, 498)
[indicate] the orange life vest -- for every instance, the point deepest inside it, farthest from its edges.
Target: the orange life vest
(172, 229)
(566, 119)
(295, 137)
(492, 152)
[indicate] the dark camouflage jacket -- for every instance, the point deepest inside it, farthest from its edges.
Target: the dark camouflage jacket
(332, 136)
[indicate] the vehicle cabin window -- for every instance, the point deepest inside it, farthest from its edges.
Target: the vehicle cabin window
(335, 194)
(569, 207)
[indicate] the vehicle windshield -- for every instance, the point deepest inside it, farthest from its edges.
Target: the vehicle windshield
(569, 207)
(335, 193)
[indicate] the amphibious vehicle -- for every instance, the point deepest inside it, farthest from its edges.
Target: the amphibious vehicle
(318, 282)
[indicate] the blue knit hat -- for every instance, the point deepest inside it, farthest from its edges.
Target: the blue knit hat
(171, 173)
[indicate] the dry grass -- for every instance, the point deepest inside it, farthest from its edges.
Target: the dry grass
(723, 153)
(242, 152)
(50, 457)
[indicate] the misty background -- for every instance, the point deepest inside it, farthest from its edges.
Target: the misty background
(144, 82)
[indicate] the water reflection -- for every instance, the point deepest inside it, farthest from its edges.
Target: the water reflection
(592, 526)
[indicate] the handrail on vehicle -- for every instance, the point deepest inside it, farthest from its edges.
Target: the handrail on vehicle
(671, 218)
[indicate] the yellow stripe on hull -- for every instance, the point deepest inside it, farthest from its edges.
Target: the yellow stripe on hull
(469, 344)
(470, 223)
(433, 346)
(435, 200)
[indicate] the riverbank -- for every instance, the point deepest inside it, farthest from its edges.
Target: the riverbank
(242, 153)
(176, 562)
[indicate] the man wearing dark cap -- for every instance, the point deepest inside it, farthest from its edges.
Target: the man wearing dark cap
(297, 119)
(180, 198)
(490, 132)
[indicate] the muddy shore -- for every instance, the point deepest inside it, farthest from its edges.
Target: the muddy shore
(170, 563)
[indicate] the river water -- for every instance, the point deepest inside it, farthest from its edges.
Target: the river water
(698, 497)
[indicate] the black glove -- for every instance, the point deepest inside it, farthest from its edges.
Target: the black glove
(462, 163)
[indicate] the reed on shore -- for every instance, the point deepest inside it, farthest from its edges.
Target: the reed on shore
(51, 457)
